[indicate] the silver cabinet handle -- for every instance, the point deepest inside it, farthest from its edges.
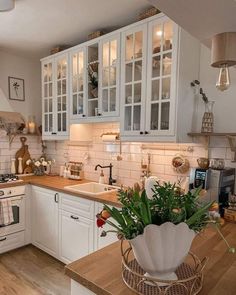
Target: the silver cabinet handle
(4, 239)
(56, 196)
(74, 217)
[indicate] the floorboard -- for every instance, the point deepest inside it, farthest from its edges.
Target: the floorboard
(30, 271)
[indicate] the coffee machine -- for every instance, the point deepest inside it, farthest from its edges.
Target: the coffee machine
(218, 183)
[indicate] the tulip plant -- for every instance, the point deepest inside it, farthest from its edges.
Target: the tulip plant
(168, 204)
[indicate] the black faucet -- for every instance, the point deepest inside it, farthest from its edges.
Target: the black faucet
(111, 180)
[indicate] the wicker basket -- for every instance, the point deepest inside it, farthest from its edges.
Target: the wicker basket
(148, 13)
(190, 276)
(95, 35)
(57, 49)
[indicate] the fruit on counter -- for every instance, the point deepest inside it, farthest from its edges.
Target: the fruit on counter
(214, 207)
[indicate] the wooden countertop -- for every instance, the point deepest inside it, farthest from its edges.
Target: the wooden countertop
(100, 272)
(58, 183)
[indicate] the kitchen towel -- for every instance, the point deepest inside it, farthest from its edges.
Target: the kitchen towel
(6, 213)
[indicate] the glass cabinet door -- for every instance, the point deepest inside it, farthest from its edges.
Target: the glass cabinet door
(61, 105)
(47, 96)
(93, 80)
(133, 80)
(159, 116)
(109, 76)
(78, 108)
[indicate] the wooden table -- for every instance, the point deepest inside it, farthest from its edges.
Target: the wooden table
(100, 272)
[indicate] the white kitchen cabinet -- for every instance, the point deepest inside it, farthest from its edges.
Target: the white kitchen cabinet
(76, 236)
(133, 79)
(95, 76)
(45, 214)
(78, 83)
(110, 238)
(109, 90)
(158, 62)
(55, 97)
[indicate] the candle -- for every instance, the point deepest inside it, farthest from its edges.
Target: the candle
(31, 127)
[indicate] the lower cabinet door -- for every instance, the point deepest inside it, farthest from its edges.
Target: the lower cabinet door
(75, 236)
(45, 220)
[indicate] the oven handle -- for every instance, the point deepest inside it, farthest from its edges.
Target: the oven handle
(4, 239)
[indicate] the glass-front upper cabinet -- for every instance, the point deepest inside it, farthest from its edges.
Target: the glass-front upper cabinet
(109, 73)
(160, 108)
(61, 97)
(133, 80)
(93, 80)
(78, 82)
(47, 96)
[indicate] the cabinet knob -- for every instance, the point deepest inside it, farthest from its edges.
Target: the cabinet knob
(83, 115)
(141, 132)
(146, 132)
(99, 114)
(54, 133)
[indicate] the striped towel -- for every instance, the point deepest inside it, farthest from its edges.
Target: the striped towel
(6, 214)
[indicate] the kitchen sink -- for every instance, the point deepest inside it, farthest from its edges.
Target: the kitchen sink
(92, 188)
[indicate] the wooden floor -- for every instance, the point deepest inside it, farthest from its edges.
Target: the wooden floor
(29, 271)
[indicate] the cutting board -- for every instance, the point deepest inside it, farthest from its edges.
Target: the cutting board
(26, 157)
(23, 153)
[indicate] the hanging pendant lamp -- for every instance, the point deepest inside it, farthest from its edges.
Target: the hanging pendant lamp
(223, 56)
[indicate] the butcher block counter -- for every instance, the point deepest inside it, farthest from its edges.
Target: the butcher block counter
(58, 183)
(100, 272)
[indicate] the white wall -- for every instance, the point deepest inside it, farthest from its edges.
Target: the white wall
(225, 102)
(29, 70)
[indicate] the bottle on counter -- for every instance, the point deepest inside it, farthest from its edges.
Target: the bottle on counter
(101, 178)
(20, 166)
(13, 166)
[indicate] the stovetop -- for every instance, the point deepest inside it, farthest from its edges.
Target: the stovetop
(5, 178)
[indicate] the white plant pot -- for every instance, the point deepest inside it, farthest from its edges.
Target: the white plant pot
(160, 250)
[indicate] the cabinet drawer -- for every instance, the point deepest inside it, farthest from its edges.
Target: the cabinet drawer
(79, 206)
(12, 241)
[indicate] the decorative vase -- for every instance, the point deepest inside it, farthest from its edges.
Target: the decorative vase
(160, 250)
(39, 171)
(208, 118)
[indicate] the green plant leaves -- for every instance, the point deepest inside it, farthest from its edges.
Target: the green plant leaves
(167, 204)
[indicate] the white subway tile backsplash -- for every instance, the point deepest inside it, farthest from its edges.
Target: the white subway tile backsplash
(126, 171)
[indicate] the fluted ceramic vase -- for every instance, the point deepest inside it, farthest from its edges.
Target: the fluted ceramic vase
(160, 250)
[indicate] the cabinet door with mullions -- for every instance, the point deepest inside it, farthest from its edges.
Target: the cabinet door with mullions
(78, 70)
(161, 77)
(47, 96)
(133, 80)
(110, 69)
(61, 105)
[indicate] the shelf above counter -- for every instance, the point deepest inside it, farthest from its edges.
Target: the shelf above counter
(230, 136)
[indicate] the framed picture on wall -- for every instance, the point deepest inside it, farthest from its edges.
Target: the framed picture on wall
(16, 88)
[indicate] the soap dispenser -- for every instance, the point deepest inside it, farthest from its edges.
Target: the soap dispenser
(101, 178)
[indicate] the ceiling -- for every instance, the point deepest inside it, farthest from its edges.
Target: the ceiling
(34, 26)
(201, 18)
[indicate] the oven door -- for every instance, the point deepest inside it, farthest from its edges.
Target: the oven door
(18, 208)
